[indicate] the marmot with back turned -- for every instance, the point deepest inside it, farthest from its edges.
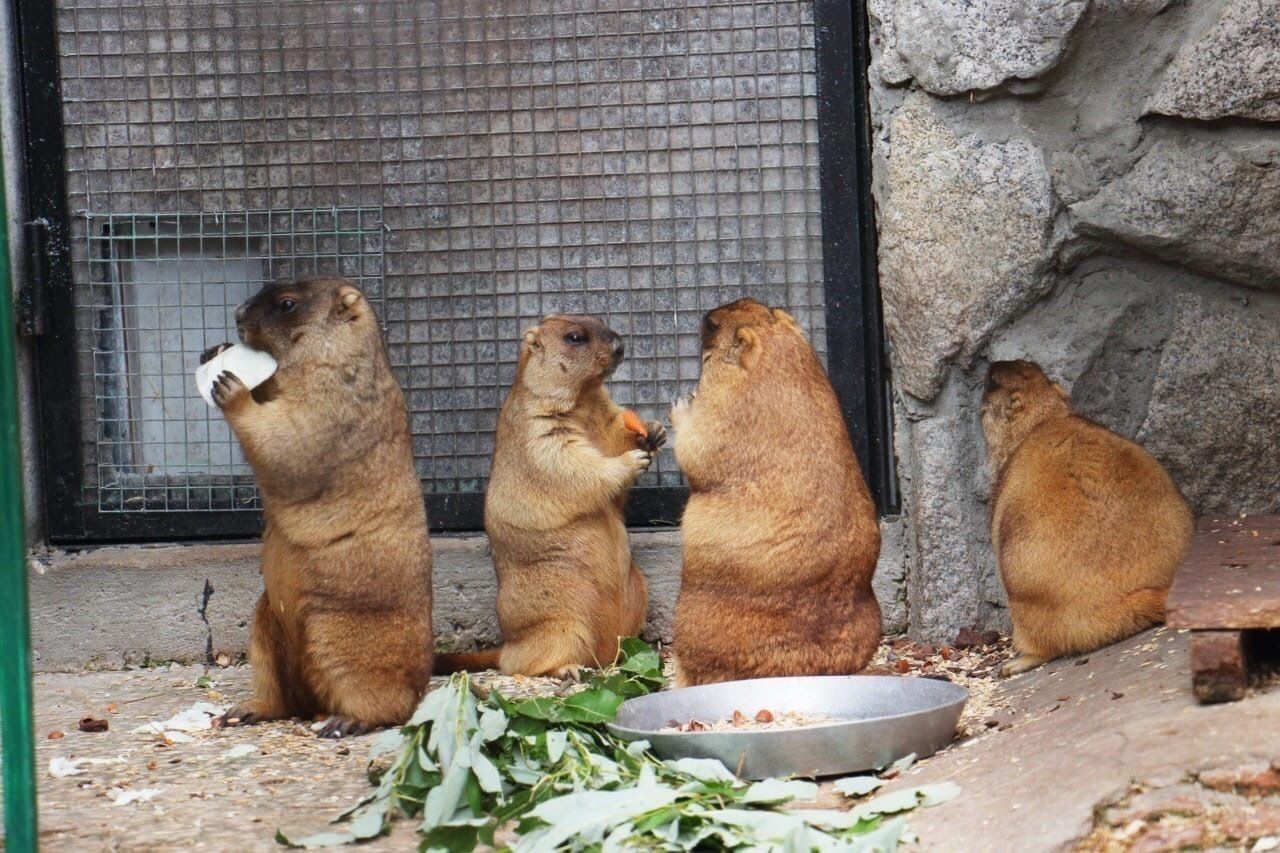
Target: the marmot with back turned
(780, 533)
(1087, 527)
(343, 627)
(563, 462)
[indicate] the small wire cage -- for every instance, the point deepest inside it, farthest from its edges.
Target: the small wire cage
(164, 289)
(474, 164)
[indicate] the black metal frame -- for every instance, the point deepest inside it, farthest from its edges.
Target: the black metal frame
(855, 348)
(856, 359)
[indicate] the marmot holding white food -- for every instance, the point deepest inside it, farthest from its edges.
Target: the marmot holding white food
(1087, 527)
(343, 626)
(565, 456)
(780, 534)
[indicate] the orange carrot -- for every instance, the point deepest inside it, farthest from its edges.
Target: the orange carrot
(632, 422)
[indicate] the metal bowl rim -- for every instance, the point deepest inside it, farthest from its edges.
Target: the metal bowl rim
(641, 733)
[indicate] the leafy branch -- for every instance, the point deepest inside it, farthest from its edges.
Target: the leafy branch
(546, 772)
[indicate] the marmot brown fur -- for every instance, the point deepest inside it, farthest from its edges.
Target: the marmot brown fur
(780, 534)
(563, 463)
(343, 627)
(1087, 527)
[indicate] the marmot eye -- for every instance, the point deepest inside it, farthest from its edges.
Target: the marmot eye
(576, 338)
(287, 305)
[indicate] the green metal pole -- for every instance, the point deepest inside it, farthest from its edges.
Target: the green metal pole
(15, 635)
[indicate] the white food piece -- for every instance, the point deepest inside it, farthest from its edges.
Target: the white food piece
(250, 366)
(197, 718)
(122, 797)
(62, 767)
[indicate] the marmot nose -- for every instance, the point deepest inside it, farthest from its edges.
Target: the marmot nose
(618, 347)
(240, 312)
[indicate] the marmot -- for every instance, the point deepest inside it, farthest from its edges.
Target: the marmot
(1087, 527)
(563, 462)
(780, 533)
(343, 627)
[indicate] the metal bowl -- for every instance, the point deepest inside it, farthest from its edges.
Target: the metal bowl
(879, 719)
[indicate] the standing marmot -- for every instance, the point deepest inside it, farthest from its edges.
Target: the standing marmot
(563, 462)
(1087, 527)
(780, 534)
(344, 624)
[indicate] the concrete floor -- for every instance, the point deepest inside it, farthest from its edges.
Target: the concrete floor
(1118, 729)
(1094, 732)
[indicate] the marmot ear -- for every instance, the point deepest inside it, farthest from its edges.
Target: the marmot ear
(348, 297)
(1015, 402)
(783, 317)
(532, 339)
(748, 347)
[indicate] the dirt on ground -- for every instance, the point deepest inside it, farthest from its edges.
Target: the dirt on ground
(157, 779)
(144, 771)
(1235, 807)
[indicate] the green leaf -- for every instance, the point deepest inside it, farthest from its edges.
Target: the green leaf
(833, 819)
(937, 793)
(629, 647)
(556, 741)
(779, 791)
(541, 708)
(902, 764)
(389, 741)
(707, 769)
(432, 704)
(883, 839)
(656, 818)
(320, 839)
(587, 815)
(637, 748)
(444, 799)
(493, 723)
(857, 786)
(451, 839)
(909, 798)
(474, 795)
(486, 774)
(523, 775)
(592, 706)
(525, 726)
(371, 823)
(766, 825)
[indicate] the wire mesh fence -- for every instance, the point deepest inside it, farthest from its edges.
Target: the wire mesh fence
(474, 164)
(164, 288)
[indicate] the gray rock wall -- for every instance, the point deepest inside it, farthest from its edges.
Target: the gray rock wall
(1094, 186)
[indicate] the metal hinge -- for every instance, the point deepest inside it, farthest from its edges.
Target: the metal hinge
(33, 307)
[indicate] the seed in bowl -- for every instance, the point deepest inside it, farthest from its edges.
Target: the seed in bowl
(763, 720)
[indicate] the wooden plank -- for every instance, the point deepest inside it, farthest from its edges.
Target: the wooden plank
(1230, 578)
(1219, 669)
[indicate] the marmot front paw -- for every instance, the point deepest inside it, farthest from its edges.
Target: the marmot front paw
(338, 727)
(654, 439)
(212, 352)
(228, 390)
(640, 459)
(249, 714)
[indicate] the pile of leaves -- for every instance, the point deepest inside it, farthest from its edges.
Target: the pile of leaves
(543, 774)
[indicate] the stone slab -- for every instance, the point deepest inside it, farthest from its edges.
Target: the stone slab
(1082, 733)
(1230, 579)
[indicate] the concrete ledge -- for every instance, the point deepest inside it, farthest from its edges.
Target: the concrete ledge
(113, 606)
(109, 607)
